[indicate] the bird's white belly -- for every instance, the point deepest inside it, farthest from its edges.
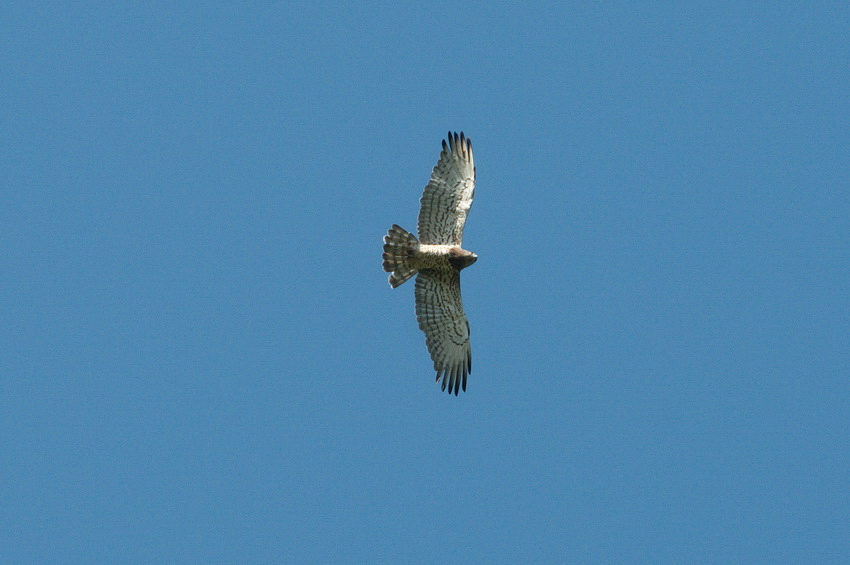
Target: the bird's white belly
(435, 250)
(433, 256)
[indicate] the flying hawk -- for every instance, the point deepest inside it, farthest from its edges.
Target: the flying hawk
(437, 259)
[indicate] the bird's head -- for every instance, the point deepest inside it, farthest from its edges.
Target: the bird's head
(461, 258)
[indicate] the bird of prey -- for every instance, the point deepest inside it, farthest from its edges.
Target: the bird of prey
(436, 258)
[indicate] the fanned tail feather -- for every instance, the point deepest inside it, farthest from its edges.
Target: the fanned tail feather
(399, 248)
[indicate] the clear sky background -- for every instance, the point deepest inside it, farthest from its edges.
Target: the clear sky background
(202, 361)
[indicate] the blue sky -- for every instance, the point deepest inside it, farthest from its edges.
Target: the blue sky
(203, 361)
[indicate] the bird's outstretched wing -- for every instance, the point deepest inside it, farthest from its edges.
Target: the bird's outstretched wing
(447, 198)
(440, 314)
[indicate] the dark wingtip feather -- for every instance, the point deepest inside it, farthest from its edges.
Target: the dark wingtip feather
(457, 143)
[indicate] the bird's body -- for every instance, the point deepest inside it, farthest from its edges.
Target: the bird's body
(437, 258)
(434, 256)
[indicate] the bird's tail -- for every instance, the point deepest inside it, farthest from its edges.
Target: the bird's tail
(399, 248)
